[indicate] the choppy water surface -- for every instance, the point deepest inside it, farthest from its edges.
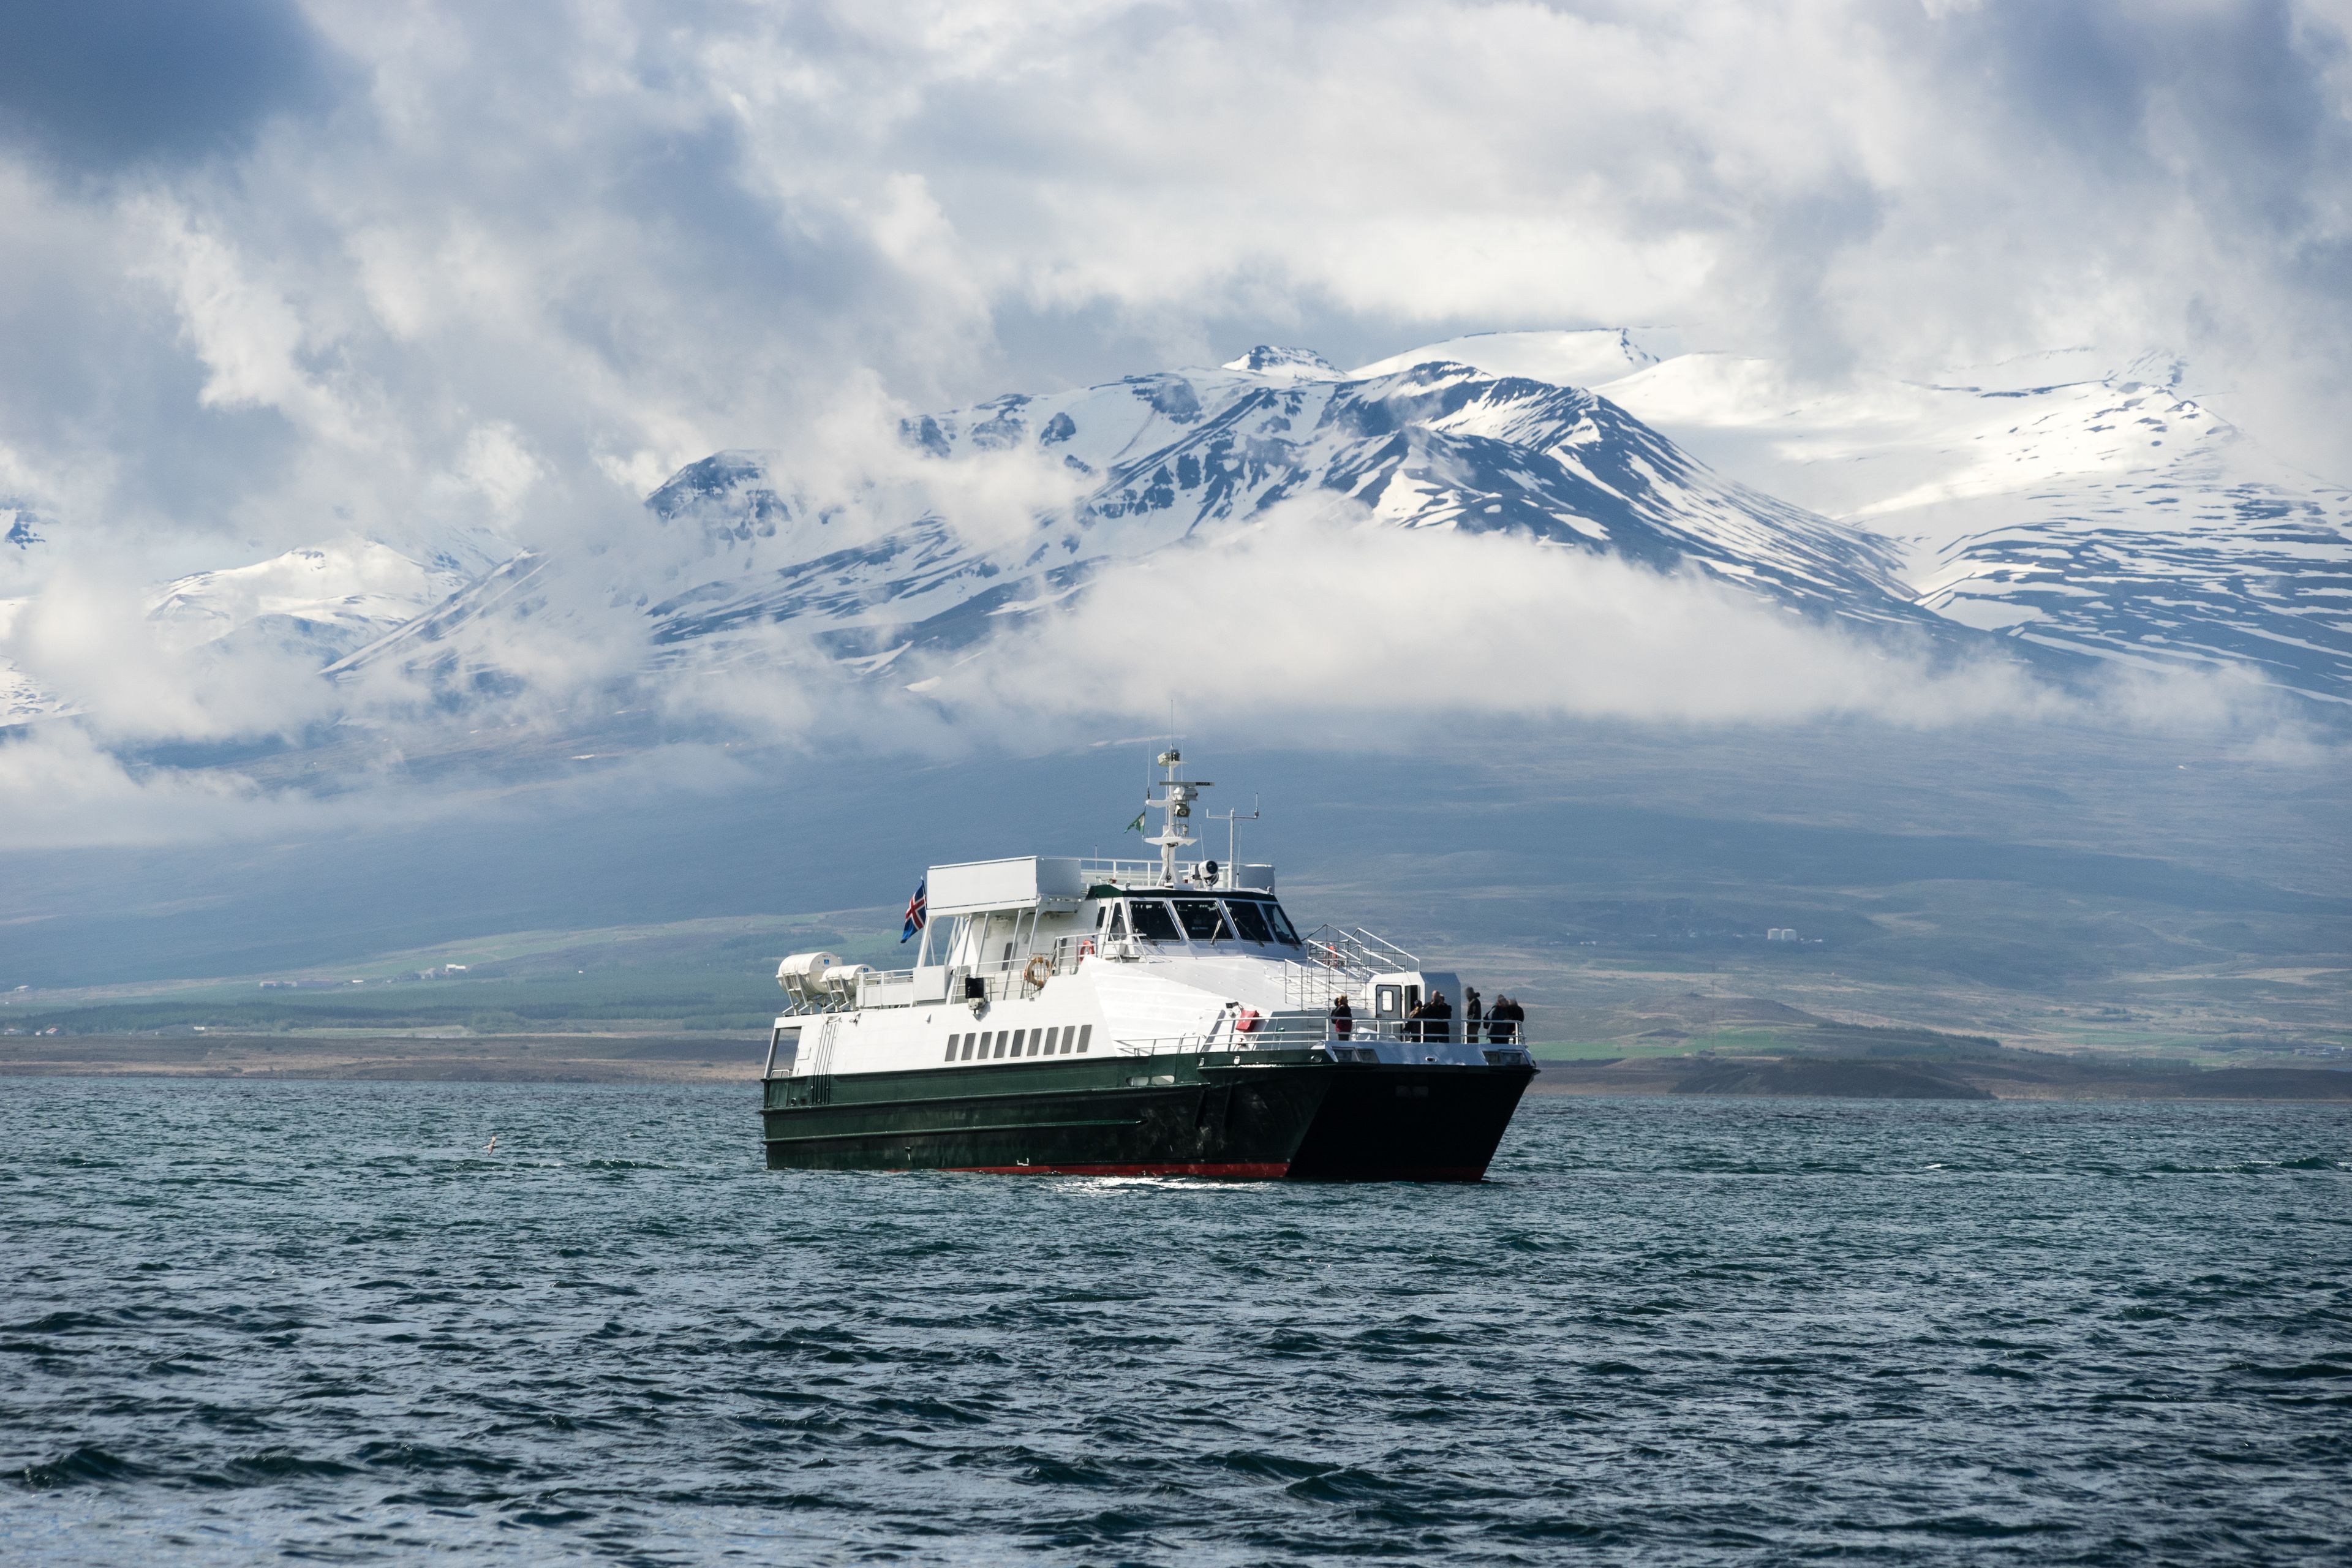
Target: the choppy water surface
(247, 1320)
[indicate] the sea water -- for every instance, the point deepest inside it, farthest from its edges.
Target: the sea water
(251, 1320)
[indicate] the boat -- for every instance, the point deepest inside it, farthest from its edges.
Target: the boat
(1156, 1018)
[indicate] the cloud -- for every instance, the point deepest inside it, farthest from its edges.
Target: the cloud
(59, 789)
(1320, 620)
(627, 235)
(276, 274)
(1314, 627)
(86, 640)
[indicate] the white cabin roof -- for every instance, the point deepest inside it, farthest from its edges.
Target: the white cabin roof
(1029, 881)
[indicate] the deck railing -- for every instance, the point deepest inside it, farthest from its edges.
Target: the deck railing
(1273, 1035)
(1283, 1032)
(1142, 876)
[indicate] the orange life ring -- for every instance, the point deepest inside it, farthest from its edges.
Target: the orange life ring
(1029, 976)
(1085, 947)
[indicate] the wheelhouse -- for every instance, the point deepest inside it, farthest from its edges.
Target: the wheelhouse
(1245, 921)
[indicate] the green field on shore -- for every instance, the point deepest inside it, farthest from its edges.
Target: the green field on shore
(691, 976)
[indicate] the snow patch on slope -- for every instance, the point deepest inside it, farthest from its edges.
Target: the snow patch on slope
(332, 597)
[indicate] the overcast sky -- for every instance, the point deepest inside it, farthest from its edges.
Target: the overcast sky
(275, 269)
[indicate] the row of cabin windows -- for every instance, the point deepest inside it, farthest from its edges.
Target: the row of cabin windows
(1201, 920)
(991, 1044)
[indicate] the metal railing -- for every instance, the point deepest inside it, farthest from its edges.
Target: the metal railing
(1273, 1030)
(1341, 962)
(1285, 1032)
(1142, 876)
(1358, 951)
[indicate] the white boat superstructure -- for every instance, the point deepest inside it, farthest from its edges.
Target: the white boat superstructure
(1044, 956)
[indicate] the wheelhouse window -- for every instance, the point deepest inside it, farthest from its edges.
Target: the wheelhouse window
(1280, 923)
(1203, 921)
(1249, 921)
(1153, 920)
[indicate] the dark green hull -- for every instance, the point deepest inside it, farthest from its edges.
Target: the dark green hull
(1266, 1115)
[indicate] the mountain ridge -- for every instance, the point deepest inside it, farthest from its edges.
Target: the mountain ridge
(1151, 461)
(2097, 519)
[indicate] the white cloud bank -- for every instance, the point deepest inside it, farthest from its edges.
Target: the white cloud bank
(1318, 621)
(1315, 626)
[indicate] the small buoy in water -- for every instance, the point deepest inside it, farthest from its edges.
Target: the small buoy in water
(492, 1146)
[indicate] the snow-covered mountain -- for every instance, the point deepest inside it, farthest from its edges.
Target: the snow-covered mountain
(314, 604)
(1120, 471)
(1434, 445)
(2105, 515)
(2103, 511)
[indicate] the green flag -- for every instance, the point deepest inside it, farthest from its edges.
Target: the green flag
(1137, 825)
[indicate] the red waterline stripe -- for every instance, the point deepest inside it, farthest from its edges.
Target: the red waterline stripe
(1238, 1171)
(1398, 1173)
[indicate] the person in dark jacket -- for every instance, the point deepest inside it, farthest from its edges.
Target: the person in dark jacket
(1501, 1021)
(1437, 1019)
(1472, 1017)
(1343, 1019)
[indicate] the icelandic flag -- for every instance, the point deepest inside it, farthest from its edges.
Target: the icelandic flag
(915, 909)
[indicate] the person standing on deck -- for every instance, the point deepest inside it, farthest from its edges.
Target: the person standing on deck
(1471, 1015)
(1343, 1020)
(1437, 1019)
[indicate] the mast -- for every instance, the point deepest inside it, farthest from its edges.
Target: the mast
(1176, 807)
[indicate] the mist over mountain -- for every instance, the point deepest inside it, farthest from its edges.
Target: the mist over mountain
(2048, 527)
(1115, 475)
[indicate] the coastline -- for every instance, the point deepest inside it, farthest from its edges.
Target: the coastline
(391, 1058)
(2005, 1074)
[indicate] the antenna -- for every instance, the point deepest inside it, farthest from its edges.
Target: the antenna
(1233, 852)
